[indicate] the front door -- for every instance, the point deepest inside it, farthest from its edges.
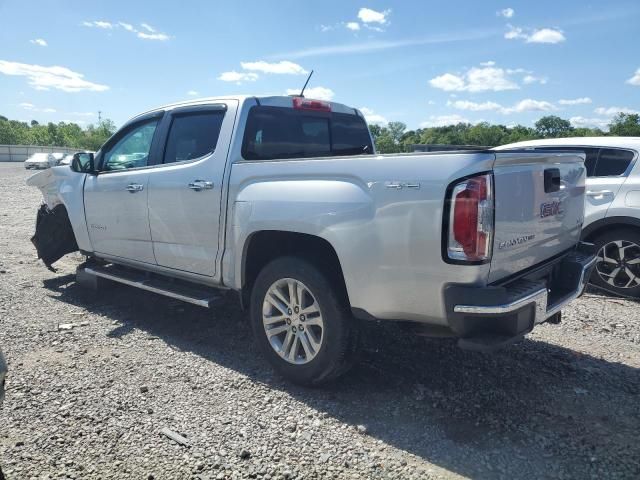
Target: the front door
(185, 189)
(116, 198)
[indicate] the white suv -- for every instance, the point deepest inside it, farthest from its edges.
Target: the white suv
(612, 213)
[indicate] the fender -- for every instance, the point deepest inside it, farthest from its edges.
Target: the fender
(618, 221)
(62, 186)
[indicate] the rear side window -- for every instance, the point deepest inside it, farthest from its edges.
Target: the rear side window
(278, 133)
(590, 154)
(612, 162)
(192, 135)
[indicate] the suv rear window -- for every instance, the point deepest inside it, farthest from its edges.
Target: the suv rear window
(612, 162)
(278, 133)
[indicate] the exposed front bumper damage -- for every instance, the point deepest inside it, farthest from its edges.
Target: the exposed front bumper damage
(54, 236)
(495, 316)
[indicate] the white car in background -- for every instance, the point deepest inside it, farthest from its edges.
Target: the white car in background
(612, 211)
(40, 160)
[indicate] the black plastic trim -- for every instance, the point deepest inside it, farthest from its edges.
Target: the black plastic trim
(613, 222)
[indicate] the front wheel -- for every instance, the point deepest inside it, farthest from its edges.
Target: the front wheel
(301, 323)
(618, 265)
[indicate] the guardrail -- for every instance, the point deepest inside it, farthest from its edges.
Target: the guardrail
(19, 153)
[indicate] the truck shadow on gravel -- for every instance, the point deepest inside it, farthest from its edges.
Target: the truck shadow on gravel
(535, 407)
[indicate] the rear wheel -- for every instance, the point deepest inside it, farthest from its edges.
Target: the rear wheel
(618, 267)
(300, 322)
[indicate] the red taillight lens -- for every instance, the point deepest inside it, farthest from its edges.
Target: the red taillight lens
(301, 103)
(471, 219)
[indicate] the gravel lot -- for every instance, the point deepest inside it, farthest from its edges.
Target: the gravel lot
(91, 401)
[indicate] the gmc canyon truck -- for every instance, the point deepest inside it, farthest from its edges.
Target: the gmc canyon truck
(284, 200)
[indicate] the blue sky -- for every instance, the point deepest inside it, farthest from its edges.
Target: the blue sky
(420, 62)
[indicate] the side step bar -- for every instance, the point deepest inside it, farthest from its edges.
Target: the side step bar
(180, 290)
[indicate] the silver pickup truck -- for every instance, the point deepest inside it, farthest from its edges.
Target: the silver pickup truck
(284, 200)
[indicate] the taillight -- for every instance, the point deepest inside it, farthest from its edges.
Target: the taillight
(471, 219)
(301, 103)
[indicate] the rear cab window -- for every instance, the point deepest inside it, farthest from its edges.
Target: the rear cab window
(281, 133)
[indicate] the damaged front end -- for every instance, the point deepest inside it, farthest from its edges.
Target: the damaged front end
(54, 236)
(62, 191)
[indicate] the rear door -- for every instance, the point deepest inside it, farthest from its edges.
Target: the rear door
(539, 208)
(603, 186)
(185, 188)
(116, 198)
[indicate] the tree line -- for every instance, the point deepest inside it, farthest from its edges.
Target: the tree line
(62, 134)
(392, 138)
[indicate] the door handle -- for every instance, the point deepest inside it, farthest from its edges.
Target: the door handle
(198, 185)
(135, 187)
(599, 193)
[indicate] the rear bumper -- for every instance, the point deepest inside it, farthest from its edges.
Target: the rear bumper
(491, 317)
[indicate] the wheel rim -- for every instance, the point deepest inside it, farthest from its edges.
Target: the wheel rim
(292, 321)
(619, 264)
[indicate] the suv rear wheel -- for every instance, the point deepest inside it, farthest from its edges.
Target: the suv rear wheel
(618, 267)
(300, 322)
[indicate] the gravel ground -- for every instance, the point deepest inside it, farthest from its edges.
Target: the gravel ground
(90, 401)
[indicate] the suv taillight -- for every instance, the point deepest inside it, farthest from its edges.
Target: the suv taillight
(471, 219)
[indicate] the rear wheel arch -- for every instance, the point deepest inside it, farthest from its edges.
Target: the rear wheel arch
(607, 224)
(266, 245)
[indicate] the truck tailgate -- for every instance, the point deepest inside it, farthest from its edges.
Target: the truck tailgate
(539, 208)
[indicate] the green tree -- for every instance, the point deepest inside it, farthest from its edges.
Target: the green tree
(625, 125)
(552, 126)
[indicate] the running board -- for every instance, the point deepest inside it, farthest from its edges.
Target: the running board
(178, 289)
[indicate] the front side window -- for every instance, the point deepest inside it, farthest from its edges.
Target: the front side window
(132, 149)
(193, 135)
(613, 162)
(280, 133)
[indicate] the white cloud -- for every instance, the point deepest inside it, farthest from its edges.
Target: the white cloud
(282, 67)
(38, 41)
(32, 108)
(490, 63)
(355, 26)
(372, 117)
(316, 93)
(148, 27)
(611, 111)
(444, 120)
(575, 101)
(238, 77)
(193, 93)
(475, 80)
(579, 122)
(326, 28)
(99, 24)
(45, 78)
(473, 106)
(153, 36)
(530, 105)
(528, 79)
(635, 80)
(526, 105)
(546, 35)
(367, 15)
(542, 35)
(150, 34)
(506, 12)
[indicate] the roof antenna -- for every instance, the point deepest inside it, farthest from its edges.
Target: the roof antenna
(305, 84)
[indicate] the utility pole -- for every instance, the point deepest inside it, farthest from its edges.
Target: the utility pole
(99, 117)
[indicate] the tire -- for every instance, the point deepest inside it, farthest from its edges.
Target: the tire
(615, 273)
(323, 349)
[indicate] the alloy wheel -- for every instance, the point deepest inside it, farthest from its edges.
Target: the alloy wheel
(619, 264)
(292, 321)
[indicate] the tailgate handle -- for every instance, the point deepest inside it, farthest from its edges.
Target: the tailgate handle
(551, 180)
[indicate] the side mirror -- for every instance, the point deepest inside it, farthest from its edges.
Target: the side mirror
(82, 163)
